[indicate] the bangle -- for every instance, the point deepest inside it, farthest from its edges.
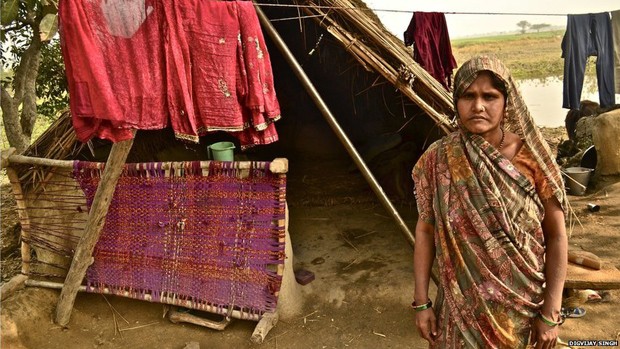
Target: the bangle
(549, 322)
(421, 307)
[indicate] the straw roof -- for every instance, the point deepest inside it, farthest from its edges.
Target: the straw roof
(360, 31)
(354, 26)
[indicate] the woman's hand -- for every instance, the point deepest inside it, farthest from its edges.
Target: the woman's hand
(543, 336)
(426, 323)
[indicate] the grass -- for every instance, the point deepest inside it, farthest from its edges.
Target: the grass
(528, 56)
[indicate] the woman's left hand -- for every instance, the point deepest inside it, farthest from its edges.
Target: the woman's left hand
(543, 336)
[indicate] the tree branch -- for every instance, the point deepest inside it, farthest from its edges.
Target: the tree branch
(10, 117)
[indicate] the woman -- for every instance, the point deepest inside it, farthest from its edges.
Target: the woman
(491, 209)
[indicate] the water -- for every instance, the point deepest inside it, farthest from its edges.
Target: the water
(544, 98)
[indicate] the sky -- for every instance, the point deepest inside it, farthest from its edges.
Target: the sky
(463, 25)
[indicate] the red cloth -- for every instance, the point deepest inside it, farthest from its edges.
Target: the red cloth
(110, 57)
(428, 33)
(199, 66)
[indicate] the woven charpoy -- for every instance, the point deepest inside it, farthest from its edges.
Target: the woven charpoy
(204, 238)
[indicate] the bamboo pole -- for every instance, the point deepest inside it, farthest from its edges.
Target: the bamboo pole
(96, 219)
(331, 120)
(147, 297)
(360, 50)
(377, 35)
(22, 213)
(333, 123)
(278, 165)
(366, 55)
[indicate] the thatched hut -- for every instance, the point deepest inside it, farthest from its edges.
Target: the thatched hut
(380, 96)
(385, 104)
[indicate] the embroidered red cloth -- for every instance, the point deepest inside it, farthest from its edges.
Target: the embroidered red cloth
(198, 66)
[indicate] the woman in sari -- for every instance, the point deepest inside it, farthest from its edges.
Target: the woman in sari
(491, 210)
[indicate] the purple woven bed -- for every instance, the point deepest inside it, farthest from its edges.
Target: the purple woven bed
(201, 238)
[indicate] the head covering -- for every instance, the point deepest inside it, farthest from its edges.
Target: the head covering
(517, 117)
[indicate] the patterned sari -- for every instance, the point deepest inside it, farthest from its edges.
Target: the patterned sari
(487, 217)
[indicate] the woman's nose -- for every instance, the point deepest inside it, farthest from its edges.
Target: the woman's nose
(478, 106)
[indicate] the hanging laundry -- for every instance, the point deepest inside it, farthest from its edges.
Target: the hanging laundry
(428, 33)
(114, 65)
(588, 35)
(198, 66)
(615, 25)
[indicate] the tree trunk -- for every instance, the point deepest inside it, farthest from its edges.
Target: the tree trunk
(19, 122)
(12, 126)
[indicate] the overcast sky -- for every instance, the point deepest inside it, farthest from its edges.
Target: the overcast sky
(462, 25)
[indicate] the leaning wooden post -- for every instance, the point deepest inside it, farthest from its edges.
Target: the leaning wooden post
(333, 123)
(94, 224)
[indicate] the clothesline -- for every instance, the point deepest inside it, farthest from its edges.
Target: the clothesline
(411, 11)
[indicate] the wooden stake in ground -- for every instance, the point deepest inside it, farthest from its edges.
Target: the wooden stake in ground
(94, 225)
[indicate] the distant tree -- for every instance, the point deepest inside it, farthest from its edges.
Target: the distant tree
(540, 26)
(523, 25)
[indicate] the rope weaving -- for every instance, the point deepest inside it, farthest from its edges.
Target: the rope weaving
(189, 235)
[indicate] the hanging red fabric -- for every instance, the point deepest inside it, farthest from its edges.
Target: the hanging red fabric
(428, 33)
(198, 66)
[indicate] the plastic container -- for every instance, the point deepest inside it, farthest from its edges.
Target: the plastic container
(222, 151)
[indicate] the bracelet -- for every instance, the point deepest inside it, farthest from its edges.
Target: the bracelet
(549, 322)
(421, 307)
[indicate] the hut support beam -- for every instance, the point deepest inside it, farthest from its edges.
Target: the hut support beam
(333, 123)
(96, 219)
(22, 213)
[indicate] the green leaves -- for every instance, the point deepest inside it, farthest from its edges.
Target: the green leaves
(9, 11)
(48, 27)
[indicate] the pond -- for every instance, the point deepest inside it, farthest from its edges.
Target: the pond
(544, 98)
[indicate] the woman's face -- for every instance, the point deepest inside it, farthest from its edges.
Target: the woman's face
(481, 106)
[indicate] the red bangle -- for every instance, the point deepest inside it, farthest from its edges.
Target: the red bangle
(421, 307)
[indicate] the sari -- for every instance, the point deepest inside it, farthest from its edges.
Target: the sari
(487, 218)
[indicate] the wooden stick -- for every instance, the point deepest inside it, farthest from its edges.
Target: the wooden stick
(17, 282)
(137, 327)
(96, 219)
(266, 323)
(22, 213)
(176, 317)
(147, 297)
(278, 165)
(573, 180)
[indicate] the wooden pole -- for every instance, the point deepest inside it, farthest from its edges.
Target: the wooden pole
(278, 165)
(8, 288)
(96, 219)
(20, 201)
(147, 297)
(333, 123)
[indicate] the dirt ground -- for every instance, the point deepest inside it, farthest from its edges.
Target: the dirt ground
(360, 298)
